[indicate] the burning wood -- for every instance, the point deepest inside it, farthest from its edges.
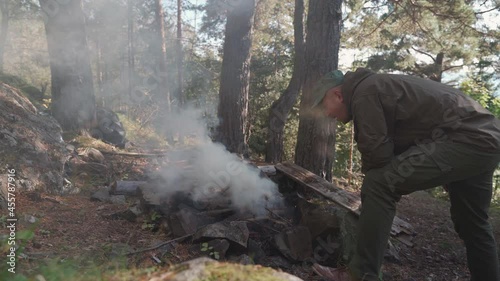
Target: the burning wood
(300, 229)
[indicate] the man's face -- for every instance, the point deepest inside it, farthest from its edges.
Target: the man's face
(333, 105)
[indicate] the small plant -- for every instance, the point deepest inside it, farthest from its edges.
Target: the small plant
(207, 248)
(152, 221)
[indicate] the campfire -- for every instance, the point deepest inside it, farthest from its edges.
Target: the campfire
(228, 209)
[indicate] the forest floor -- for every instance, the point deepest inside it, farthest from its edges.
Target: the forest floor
(81, 237)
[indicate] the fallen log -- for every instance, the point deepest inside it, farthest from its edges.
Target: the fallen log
(347, 200)
(135, 154)
(128, 188)
(343, 198)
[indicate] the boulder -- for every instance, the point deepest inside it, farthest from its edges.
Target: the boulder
(208, 269)
(109, 128)
(32, 144)
(234, 231)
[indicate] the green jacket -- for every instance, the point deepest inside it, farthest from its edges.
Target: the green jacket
(394, 112)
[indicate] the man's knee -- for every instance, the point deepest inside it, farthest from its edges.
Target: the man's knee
(375, 184)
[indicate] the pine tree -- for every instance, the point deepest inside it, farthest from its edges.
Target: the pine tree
(316, 136)
(280, 109)
(73, 102)
(235, 76)
(425, 38)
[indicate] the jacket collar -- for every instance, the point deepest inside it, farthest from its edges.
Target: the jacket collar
(351, 82)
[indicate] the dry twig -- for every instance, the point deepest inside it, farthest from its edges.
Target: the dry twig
(159, 245)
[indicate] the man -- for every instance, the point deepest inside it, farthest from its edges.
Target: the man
(415, 134)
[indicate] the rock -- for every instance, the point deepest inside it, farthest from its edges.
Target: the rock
(149, 196)
(208, 269)
(101, 195)
(118, 199)
(235, 231)
(9, 137)
(127, 214)
(128, 188)
(136, 209)
(326, 249)
(242, 259)
(295, 243)
(392, 253)
(90, 154)
(30, 218)
(269, 170)
(109, 128)
(71, 148)
(276, 262)
(187, 221)
(255, 251)
(33, 144)
(215, 249)
(56, 179)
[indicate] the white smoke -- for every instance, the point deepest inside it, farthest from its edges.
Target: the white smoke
(206, 169)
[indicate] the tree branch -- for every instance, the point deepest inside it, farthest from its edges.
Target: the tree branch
(487, 11)
(380, 23)
(452, 66)
(424, 53)
(420, 26)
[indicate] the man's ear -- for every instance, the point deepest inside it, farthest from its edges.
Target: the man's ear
(338, 93)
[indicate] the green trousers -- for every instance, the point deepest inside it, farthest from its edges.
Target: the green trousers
(466, 172)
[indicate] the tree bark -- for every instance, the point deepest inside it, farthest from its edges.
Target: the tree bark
(100, 100)
(235, 76)
(315, 141)
(4, 7)
(162, 54)
(180, 60)
(130, 48)
(280, 109)
(73, 101)
(438, 68)
(351, 155)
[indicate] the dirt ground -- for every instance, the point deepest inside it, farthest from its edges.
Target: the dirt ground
(76, 228)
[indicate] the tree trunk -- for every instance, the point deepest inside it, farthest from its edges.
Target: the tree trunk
(179, 56)
(162, 54)
(4, 7)
(100, 100)
(315, 141)
(280, 109)
(130, 48)
(351, 155)
(438, 68)
(73, 101)
(235, 76)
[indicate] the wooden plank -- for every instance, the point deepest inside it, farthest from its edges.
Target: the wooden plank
(343, 198)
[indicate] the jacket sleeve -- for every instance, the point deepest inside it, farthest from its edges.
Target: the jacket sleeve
(373, 135)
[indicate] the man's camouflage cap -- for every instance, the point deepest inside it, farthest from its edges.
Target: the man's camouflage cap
(328, 81)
